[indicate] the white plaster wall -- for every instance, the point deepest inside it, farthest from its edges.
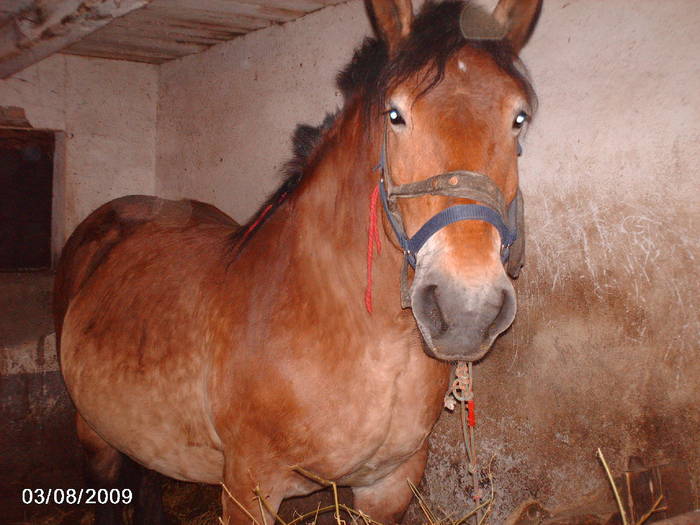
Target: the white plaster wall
(225, 116)
(106, 111)
(603, 352)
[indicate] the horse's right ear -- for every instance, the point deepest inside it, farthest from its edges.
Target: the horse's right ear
(392, 20)
(518, 17)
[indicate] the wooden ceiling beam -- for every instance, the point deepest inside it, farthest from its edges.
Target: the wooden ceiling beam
(50, 25)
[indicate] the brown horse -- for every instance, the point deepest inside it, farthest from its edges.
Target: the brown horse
(213, 353)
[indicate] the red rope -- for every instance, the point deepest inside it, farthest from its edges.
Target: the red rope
(372, 240)
(255, 223)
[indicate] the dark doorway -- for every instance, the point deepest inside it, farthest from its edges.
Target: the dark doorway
(26, 180)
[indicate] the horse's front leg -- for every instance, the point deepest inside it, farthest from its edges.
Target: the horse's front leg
(387, 499)
(243, 491)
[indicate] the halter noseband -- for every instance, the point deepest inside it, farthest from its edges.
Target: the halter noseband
(463, 184)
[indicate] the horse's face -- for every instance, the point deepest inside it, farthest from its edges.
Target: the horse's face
(461, 295)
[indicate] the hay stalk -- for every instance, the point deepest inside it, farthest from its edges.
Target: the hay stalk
(240, 505)
(654, 508)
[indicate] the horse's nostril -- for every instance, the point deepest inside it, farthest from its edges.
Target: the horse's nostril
(432, 314)
(505, 314)
(494, 325)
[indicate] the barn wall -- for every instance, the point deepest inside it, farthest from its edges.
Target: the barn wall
(106, 113)
(603, 352)
(225, 116)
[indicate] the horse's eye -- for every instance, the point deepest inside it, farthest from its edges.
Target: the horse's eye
(520, 120)
(395, 117)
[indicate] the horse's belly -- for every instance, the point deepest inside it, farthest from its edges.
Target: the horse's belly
(156, 414)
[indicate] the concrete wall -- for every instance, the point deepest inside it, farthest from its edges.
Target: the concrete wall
(225, 116)
(603, 351)
(105, 111)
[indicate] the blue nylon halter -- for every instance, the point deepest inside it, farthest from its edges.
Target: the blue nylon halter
(461, 212)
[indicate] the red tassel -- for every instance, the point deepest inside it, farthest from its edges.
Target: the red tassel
(472, 415)
(256, 222)
(372, 240)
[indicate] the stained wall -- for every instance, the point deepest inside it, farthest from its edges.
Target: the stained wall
(104, 115)
(225, 116)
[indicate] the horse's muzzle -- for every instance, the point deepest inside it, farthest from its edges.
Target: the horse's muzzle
(458, 322)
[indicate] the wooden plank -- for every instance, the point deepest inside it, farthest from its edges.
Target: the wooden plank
(148, 37)
(102, 50)
(136, 46)
(307, 6)
(153, 35)
(184, 18)
(227, 7)
(149, 43)
(165, 34)
(51, 25)
(164, 29)
(111, 54)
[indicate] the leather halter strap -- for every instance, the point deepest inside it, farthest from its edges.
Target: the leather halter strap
(463, 184)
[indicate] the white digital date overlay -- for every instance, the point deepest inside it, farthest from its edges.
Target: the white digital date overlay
(76, 496)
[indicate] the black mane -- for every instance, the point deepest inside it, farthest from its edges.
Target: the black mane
(435, 37)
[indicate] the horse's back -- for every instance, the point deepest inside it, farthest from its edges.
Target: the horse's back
(112, 223)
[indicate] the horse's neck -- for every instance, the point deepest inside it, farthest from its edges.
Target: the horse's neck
(333, 211)
(302, 278)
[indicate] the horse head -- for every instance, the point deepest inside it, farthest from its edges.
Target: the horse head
(450, 131)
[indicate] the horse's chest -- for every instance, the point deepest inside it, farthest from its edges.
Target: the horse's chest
(383, 421)
(409, 419)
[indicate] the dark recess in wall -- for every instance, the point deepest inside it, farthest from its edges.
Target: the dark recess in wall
(26, 174)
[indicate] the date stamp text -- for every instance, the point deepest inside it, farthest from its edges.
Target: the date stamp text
(88, 496)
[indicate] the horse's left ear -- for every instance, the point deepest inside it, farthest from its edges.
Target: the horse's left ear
(518, 17)
(392, 20)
